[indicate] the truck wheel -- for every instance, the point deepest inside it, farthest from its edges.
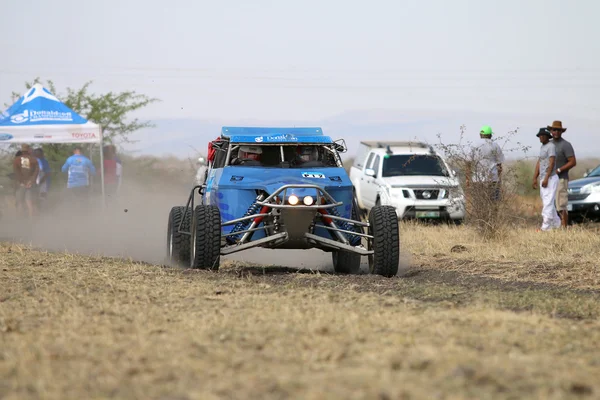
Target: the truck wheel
(345, 262)
(206, 238)
(178, 244)
(383, 227)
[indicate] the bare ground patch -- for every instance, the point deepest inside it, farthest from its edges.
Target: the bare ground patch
(87, 327)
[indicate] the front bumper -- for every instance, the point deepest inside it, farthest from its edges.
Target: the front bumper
(434, 210)
(590, 206)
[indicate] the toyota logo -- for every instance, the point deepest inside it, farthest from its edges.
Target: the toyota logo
(426, 194)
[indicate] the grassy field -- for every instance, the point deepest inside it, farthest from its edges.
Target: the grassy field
(515, 318)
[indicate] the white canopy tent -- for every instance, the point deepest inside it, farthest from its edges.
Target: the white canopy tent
(39, 117)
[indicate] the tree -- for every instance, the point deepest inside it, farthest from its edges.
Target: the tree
(109, 110)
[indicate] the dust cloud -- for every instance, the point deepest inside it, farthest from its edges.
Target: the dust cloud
(134, 226)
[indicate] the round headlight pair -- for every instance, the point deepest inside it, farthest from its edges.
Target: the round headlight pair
(293, 200)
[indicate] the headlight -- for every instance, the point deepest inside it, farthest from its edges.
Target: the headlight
(456, 192)
(293, 200)
(308, 200)
(591, 188)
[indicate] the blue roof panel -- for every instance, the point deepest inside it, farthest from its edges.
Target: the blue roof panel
(229, 131)
(274, 135)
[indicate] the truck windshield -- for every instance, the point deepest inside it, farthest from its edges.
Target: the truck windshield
(413, 165)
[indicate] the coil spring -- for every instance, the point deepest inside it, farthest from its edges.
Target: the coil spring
(353, 239)
(240, 226)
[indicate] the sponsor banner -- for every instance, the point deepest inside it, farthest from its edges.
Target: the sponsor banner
(41, 116)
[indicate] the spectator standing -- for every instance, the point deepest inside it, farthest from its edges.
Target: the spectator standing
(112, 171)
(565, 160)
(26, 170)
(545, 175)
(487, 169)
(79, 168)
(15, 183)
(43, 180)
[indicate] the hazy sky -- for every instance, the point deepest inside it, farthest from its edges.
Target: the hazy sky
(310, 60)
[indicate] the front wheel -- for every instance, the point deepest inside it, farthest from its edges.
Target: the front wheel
(178, 243)
(383, 226)
(206, 238)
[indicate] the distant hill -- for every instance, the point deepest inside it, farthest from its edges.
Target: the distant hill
(186, 137)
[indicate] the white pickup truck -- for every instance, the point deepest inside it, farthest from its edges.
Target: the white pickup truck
(411, 176)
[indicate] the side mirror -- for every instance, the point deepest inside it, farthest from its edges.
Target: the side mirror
(587, 172)
(340, 145)
(370, 172)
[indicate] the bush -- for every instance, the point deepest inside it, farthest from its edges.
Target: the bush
(490, 217)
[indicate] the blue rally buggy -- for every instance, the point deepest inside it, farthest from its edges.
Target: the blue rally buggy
(280, 188)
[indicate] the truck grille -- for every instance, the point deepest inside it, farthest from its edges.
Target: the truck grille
(578, 196)
(427, 194)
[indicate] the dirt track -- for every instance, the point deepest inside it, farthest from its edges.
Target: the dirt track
(517, 318)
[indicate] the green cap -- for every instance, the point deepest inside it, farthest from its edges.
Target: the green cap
(486, 130)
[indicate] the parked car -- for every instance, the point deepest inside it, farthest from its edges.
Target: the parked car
(280, 188)
(584, 196)
(409, 176)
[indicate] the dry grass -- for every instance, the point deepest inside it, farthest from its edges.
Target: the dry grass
(81, 327)
(563, 257)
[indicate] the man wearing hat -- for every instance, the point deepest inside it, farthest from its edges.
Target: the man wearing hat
(565, 160)
(545, 173)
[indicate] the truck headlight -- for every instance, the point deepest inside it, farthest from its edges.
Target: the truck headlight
(308, 200)
(591, 188)
(456, 193)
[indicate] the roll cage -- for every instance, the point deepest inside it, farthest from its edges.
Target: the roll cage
(278, 155)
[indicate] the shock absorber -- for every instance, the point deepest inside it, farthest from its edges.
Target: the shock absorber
(240, 226)
(353, 239)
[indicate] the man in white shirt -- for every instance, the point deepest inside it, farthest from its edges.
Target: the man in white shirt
(487, 159)
(545, 174)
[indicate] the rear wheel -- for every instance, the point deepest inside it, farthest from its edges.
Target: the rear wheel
(178, 244)
(346, 262)
(206, 238)
(385, 244)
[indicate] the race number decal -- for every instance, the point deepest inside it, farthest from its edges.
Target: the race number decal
(317, 175)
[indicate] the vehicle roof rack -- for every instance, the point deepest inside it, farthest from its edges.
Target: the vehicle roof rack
(387, 144)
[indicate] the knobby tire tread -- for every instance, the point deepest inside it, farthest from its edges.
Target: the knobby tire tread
(207, 237)
(181, 242)
(386, 240)
(345, 262)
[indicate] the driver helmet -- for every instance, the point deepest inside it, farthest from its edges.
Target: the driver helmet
(250, 152)
(308, 153)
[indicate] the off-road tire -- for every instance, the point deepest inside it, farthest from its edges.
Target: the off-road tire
(205, 251)
(178, 244)
(345, 262)
(383, 222)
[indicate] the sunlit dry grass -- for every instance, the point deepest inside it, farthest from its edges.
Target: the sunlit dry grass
(566, 257)
(82, 327)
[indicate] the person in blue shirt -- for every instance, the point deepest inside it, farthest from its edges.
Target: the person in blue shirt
(79, 168)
